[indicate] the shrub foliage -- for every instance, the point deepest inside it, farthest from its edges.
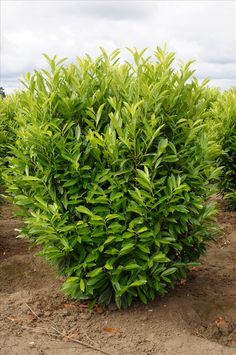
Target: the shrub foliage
(223, 112)
(112, 169)
(8, 111)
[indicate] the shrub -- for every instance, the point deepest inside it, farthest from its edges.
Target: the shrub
(8, 109)
(223, 112)
(112, 169)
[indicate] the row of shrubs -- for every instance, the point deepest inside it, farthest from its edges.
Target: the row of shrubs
(8, 126)
(223, 128)
(112, 165)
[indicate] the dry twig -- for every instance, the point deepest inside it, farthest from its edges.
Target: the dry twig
(67, 336)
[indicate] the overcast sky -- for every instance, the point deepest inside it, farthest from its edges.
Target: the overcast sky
(201, 30)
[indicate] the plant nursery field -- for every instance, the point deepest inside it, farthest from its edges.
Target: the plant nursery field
(198, 317)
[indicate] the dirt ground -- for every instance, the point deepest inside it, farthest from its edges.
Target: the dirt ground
(198, 317)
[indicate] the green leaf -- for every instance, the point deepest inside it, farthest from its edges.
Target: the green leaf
(135, 222)
(95, 272)
(169, 271)
(31, 178)
(162, 146)
(138, 283)
(160, 257)
(111, 216)
(142, 296)
(126, 248)
(144, 248)
(71, 182)
(108, 266)
(85, 210)
(143, 229)
(131, 266)
(82, 285)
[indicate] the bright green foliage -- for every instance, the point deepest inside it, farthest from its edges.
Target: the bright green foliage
(3, 132)
(112, 169)
(211, 96)
(223, 112)
(8, 111)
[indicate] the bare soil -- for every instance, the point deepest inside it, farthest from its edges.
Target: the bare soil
(198, 317)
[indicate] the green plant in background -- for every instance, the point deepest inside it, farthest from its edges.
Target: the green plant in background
(223, 113)
(8, 111)
(112, 168)
(2, 93)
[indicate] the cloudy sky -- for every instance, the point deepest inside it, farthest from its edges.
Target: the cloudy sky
(201, 30)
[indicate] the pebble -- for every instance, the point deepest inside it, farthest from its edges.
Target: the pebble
(72, 318)
(225, 328)
(48, 313)
(66, 312)
(86, 316)
(212, 330)
(112, 307)
(144, 318)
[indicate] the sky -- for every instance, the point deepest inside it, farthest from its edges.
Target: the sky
(200, 30)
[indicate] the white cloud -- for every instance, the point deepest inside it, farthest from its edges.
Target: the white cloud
(217, 70)
(201, 30)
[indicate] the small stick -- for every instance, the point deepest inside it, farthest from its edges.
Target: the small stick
(80, 342)
(32, 311)
(37, 329)
(40, 330)
(88, 337)
(68, 337)
(50, 322)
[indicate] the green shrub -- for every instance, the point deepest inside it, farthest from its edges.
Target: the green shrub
(223, 112)
(8, 110)
(3, 135)
(112, 169)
